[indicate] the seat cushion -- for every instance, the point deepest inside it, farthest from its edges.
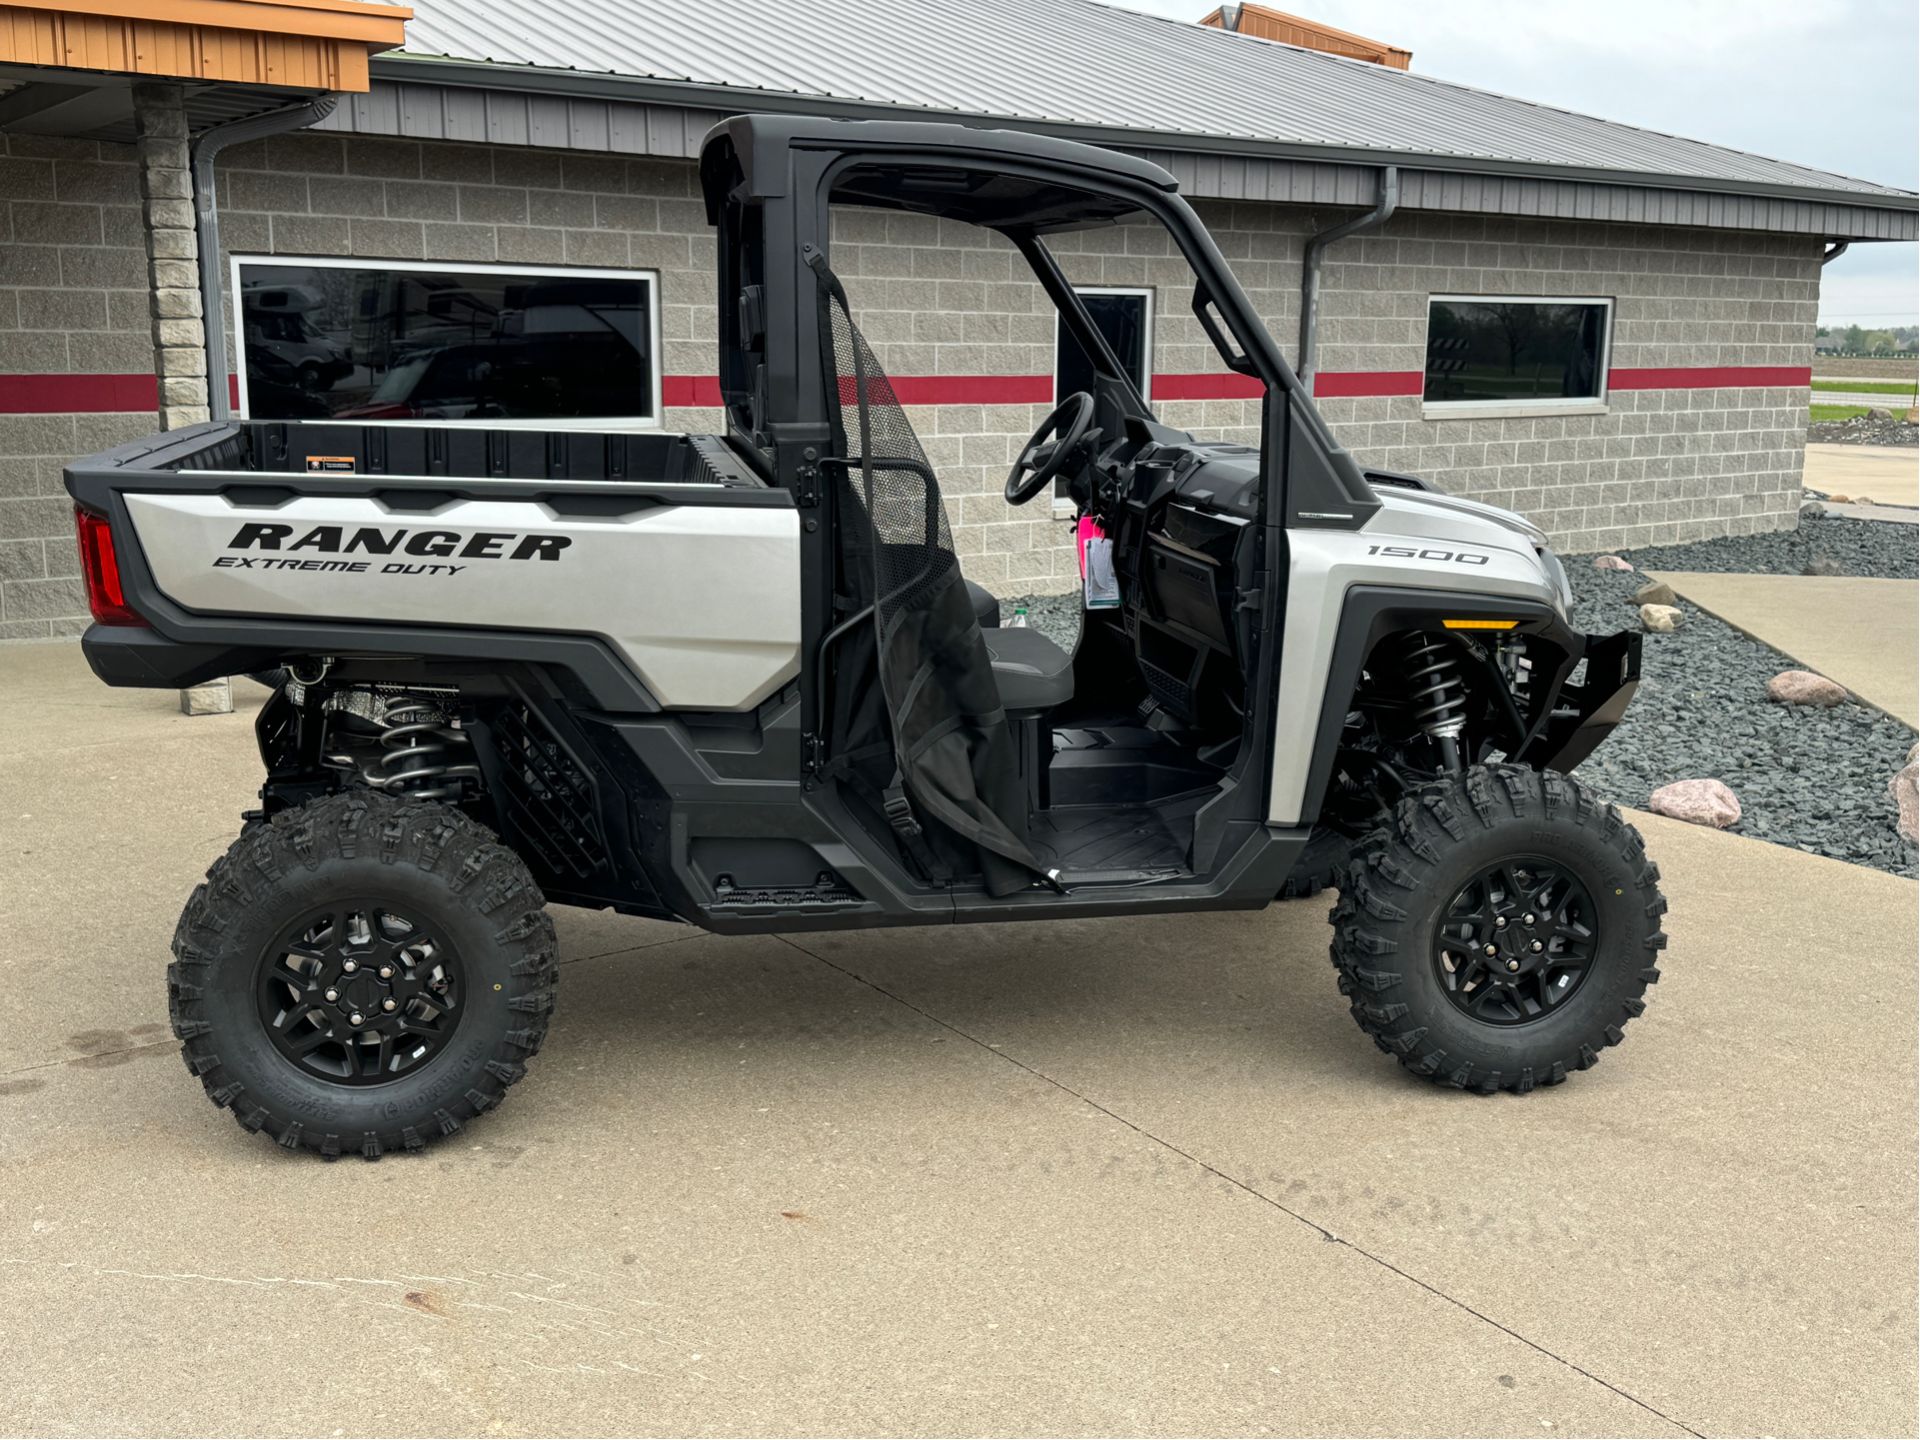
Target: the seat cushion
(1032, 672)
(986, 609)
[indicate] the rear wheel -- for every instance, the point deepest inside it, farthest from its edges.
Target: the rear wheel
(1500, 930)
(362, 974)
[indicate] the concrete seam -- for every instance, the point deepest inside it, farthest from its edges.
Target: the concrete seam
(83, 1059)
(1239, 1184)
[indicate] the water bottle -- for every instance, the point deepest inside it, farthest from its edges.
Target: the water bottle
(1019, 618)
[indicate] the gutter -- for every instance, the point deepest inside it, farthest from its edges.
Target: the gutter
(206, 214)
(1310, 269)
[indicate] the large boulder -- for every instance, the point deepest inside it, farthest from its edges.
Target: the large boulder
(1905, 789)
(1611, 562)
(1813, 510)
(1660, 619)
(1821, 565)
(1803, 687)
(1698, 802)
(1655, 592)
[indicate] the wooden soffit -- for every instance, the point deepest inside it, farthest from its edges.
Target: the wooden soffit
(302, 44)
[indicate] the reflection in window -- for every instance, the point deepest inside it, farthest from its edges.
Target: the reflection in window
(371, 341)
(1481, 351)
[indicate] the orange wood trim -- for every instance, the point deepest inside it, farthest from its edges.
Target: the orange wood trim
(299, 44)
(322, 19)
(1266, 23)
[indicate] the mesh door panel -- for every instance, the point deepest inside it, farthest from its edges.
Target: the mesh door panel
(956, 754)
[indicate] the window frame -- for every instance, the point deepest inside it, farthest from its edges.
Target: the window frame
(1063, 504)
(1145, 292)
(1595, 404)
(612, 424)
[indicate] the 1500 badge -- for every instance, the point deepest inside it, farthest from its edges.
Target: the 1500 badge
(373, 540)
(1408, 552)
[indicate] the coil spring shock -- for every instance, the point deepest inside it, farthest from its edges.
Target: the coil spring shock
(1439, 695)
(420, 747)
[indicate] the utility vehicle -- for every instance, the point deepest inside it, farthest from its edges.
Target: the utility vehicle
(740, 681)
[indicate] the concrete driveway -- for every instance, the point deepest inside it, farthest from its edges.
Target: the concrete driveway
(1884, 474)
(1092, 1178)
(1861, 631)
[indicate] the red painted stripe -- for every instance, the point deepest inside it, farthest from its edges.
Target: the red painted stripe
(690, 390)
(1711, 377)
(77, 394)
(1346, 384)
(1222, 386)
(973, 389)
(91, 394)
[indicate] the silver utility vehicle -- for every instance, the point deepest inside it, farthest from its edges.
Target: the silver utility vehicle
(740, 681)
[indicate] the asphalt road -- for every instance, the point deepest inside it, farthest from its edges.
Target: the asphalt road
(1092, 1178)
(1896, 404)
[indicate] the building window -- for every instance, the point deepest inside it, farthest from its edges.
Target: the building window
(499, 346)
(1125, 319)
(1509, 350)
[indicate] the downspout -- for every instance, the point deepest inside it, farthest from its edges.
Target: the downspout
(1310, 268)
(206, 214)
(1834, 251)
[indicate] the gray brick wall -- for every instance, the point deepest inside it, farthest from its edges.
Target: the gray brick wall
(73, 300)
(319, 194)
(1661, 465)
(935, 298)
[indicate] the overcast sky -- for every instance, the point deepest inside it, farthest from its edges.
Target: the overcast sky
(1827, 83)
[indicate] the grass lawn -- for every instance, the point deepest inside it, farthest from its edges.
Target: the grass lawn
(1866, 387)
(1823, 413)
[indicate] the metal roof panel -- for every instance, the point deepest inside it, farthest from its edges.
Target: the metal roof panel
(1082, 63)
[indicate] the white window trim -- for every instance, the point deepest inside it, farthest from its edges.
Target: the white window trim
(1519, 409)
(1062, 505)
(612, 424)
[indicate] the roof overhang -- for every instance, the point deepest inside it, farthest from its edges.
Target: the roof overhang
(732, 99)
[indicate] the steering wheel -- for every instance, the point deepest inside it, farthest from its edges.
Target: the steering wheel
(1051, 447)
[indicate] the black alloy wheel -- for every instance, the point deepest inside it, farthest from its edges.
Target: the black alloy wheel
(1516, 941)
(360, 992)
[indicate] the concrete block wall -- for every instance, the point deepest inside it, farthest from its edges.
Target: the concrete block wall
(938, 299)
(73, 303)
(314, 193)
(1662, 464)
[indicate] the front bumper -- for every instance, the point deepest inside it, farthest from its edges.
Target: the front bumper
(1585, 713)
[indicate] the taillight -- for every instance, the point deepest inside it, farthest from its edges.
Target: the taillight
(101, 567)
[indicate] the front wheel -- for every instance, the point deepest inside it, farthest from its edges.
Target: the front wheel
(362, 974)
(1500, 930)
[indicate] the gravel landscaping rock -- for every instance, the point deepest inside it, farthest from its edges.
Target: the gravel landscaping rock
(1654, 592)
(1811, 778)
(1905, 789)
(1698, 802)
(1055, 616)
(1803, 687)
(1863, 430)
(1854, 547)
